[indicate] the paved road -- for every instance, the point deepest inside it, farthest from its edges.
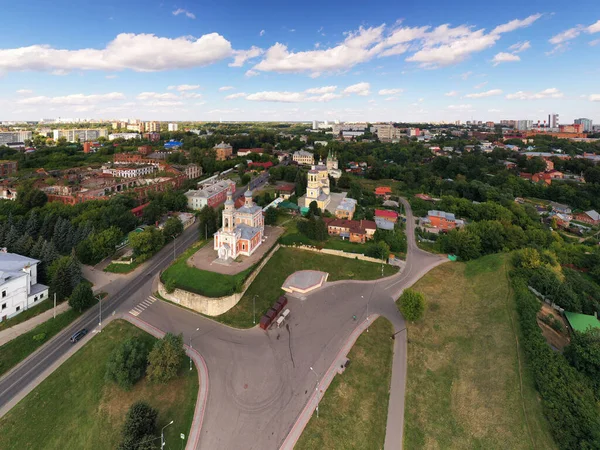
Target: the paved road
(13, 382)
(254, 184)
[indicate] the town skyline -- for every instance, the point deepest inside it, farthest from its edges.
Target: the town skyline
(254, 63)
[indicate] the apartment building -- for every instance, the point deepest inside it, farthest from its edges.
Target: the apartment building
(210, 195)
(303, 157)
(130, 171)
(81, 135)
(7, 137)
(8, 168)
(223, 151)
(173, 127)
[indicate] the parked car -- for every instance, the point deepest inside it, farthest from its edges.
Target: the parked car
(77, 336)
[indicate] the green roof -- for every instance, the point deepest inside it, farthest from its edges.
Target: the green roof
(288, 205)
(581, 322)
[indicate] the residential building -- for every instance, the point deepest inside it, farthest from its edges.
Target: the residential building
(8, 168)
(561, 208)
(210, 195)
(285, 191)
(145, 150)
(249, 151)
(383, 192)
(386, 132)
(591, 217)
(303, 157)
(553, 120)
(317, 188)
(8, 194)
(443, 220)
(173, 127)
(385, 214)
(152, 127)
(524, 125)
(242, 231)
(223, 151)
(81, 135)
(332, 166)
(575, 128)
(135, 127)
(414, 132)
(19, 289)
(587, 124)
(7, 137)
(152, 137)
(383, 224)
(358, 231)
(192, 171)
(125, 136)
(346, 209)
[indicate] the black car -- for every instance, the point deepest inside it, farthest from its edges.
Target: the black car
(77, 336)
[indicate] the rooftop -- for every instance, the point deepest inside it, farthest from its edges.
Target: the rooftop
(582, 322)
(442, 214)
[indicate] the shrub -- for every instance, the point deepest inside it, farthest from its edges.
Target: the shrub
(139, 428)
(165, 358)
(412, 305)
(82, 297)
(127, 363)
(39, 337)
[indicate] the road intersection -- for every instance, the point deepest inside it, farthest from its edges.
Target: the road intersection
(259, 381)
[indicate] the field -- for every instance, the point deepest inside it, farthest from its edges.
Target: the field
(467, 385)
(203, 282)
(353, 411)
(16, 350)
(285, 261)
(76, 408)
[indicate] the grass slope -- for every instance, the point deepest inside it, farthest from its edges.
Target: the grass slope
(75, 408)
(353, 411)
(285, 261)
(464, 383)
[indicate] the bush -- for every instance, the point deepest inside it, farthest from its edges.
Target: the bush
(411, 305)
(139, 429)
(127, 363)
(170, 285)
(165, 358)
(39, 337)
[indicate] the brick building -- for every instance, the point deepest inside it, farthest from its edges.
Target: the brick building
(358, 231)
(8, 168)
(223, 151)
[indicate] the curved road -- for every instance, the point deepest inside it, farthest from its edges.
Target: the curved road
(260, 381)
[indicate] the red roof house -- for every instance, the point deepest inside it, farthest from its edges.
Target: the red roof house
(390, 216)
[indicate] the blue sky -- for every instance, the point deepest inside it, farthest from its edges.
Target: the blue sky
(234, 60)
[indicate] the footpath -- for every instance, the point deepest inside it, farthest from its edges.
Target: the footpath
(10, 333)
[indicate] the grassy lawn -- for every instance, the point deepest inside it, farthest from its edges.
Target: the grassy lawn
(464, 375)
(353, 411)
(75, 408)
(15, 351)
(284, 262)
(345, 246)
(122, 268)
(27, 314)
(202, 282)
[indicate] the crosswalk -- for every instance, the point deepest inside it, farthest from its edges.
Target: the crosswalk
(140, 307)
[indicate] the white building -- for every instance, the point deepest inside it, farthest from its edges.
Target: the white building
(242, 231)
(19, 289)
(126, 136)
(173, 127)
(303, 157)
(82, 135)
(131, 172)
(14, 136)
(210, 194)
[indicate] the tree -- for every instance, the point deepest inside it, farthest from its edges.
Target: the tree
(379, 250)
(313, 209)
(82, 297)
(412, 305)
(139, 427)
(60, 274)
(584, 354)
(165, 358)
(153, 212)
(271, 216)
(462, 243)
(127, 363)
(207, 222)
(145, 243)
(173, 227)
(245, 179)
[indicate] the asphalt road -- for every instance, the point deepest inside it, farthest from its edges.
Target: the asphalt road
(255, 183)
(22, 375)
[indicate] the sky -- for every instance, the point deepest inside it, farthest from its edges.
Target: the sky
(407, 61)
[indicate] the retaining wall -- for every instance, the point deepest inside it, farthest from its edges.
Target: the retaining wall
(213, 306)
(329, 251)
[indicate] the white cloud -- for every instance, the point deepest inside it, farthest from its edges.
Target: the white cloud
(503, 57)
(595, 98)
(184, 87)
(236, 95)
(466, 75)
(111, 77)
(188, 14)
(24, 92)
(594, 28)
(392, 98)
(290, 97)
(321, 90)
(520, 47)
(451, 94)
(138, 52)
(262, 33)
(480, 85)
(241, 56)
(594, 42)
(226, 88)
(566, 35)
(460, 107)
(156, 95)
(390, 91)
(163, 103)
(494, 110)
(516, 24)
(251, 73)
(191, 95)
(489, 93)
(73, 99)
(546, 93)
(358, 89)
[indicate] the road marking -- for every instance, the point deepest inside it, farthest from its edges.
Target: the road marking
(141, 307)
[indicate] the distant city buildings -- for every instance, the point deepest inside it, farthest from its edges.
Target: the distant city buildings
(553, 120)
(8, 168)
(303, 157)
(386, 132)
(125, 136)
(587, 124)
(173, 127)
(524, 125)
(210, 194)
(80, 135)
(131, 172)
(9, 137)
(575, 128)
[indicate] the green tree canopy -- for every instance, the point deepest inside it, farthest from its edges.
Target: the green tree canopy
(127, 363)
(412, 305)
(165, 358)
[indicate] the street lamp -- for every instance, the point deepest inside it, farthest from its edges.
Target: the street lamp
(191, 347)
(254, 309)
(393, 336)
(162, 435)
(316, 389)
(100, 314)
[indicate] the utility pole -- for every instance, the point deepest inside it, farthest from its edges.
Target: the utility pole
(55, 305)
(316, 389)
(100, 317)
(191, 347)
(254, 309)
